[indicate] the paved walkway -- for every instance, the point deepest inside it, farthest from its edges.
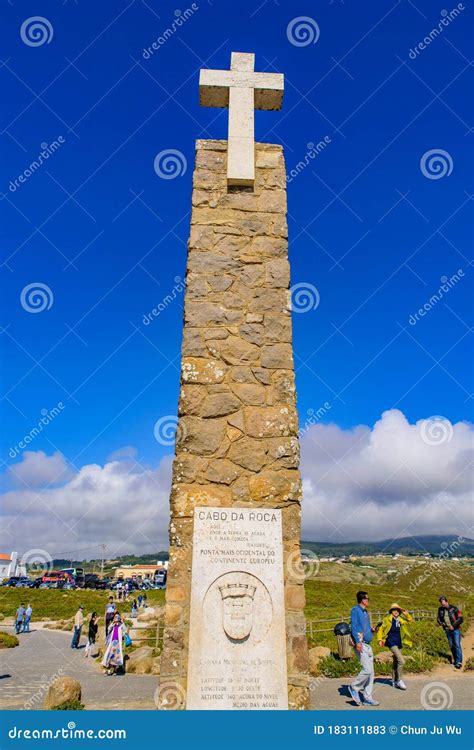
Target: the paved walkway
(423, 691)
(28, 669)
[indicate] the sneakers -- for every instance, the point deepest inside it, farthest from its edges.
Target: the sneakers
(458, 666)
(370, 702)
(354, 695)
(400, 685)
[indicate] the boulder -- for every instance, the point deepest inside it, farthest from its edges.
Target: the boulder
(155, 667)
(383, 657)
(140, 661)
(315, 655)
(62, 690)
(150, 613)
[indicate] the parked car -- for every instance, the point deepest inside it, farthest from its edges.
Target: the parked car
(100, 585)
(13, 581)
(24, 583)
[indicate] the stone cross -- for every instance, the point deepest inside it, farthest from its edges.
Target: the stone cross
(242, 90)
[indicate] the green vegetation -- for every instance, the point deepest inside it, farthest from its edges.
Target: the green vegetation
(73, 705)
(415, 583)
(7, 640)
(55, 604)
(469, 665)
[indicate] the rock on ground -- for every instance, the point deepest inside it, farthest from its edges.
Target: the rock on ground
(62, 690)
(315, 655)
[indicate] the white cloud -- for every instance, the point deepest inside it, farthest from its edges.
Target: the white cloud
(396, 479)
(37, 469)
(360, 484)
(121, 504)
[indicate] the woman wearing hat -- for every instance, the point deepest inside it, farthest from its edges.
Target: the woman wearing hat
(114, 656)
(393, 633)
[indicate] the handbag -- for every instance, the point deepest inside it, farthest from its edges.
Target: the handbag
(128, 640)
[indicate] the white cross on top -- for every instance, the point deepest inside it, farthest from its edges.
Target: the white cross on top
(242, 90)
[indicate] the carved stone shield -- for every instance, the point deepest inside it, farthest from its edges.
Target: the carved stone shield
(237, 610)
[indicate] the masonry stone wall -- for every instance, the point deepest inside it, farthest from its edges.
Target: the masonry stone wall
(237, 438)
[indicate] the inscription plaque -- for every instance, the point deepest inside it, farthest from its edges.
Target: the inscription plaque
(237, 639)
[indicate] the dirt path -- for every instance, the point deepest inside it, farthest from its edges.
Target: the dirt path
(446, 671)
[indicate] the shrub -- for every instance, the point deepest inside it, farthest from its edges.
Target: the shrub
(73, 705)
(419, 660)
(7, 640)
(469, 665)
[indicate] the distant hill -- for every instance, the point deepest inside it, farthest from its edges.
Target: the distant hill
(454, 546)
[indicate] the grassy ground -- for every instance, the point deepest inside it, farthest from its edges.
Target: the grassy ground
(415, 583)
(412, 582)
(7, 640)
(54, 604)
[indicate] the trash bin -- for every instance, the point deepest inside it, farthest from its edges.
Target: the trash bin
(342, 632)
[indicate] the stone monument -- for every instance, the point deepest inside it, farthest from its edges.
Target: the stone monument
(235, 632)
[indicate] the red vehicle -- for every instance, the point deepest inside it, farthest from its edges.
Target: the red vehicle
(57, 577)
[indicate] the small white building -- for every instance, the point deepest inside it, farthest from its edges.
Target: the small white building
(10, 566)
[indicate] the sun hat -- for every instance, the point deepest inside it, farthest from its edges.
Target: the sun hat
(395, 606)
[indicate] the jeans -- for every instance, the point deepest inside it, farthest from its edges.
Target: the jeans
(365, 679)
(398, 663)
(454, 640)
(18, 626)
(26, 625)
(76, 637)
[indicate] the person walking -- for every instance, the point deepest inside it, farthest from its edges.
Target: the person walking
(140, 599)
(134, 610)
(450, 618)
(393, 633)
(92, 633)
(78, 623)
(113, 656)
(145, 600)
(362, 631)
(19, 617)
(26, 622)
(110, 610)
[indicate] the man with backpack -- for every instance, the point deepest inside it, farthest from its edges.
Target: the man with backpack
(450, 618)
(362, 631)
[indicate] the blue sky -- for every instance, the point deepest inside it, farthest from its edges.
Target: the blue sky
(107, 235)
